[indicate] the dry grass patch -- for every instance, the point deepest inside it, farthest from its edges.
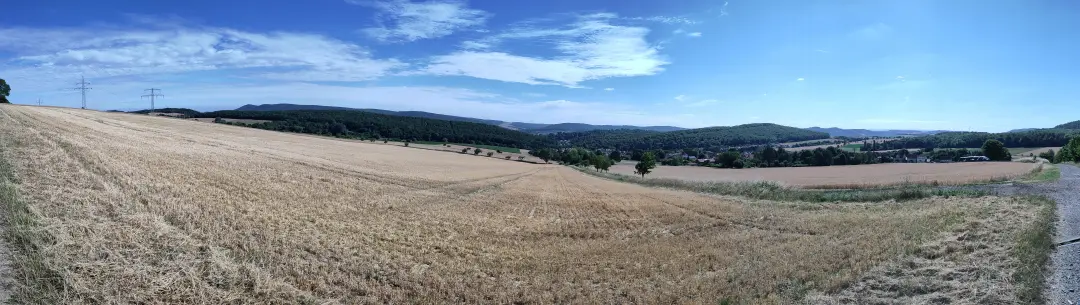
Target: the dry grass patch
(851, 176)
(139, 209)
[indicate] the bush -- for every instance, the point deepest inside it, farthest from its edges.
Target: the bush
(477, 151)
(490, 153)
(507, 157)
(498, 151)
(1048, 155)
(996, 151)
(465, 150)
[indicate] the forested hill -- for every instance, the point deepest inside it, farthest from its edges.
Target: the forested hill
(708, 138)
(417, 114)
(1030, 138)
(526, 127)
(362, 124)
(184, 111)
(580, 127)
(1069, 125)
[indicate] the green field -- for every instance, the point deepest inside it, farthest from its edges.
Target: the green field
(488, 147)
(852, 147)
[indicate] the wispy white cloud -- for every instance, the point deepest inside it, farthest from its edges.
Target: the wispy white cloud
(592, 47)
(665, 19)
(723, 9)
(703, 103)
(800, 79)
(404, 20)
(110, 52)
(609, 89)
(898, 121)
(874, 31)
(821, 51)
(680, 97)
(694, 34)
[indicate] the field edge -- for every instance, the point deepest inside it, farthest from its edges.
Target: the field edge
(774, 191)
(1033, 250)
(25, 235)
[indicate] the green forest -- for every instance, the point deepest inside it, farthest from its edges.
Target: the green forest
(367, 125)
(710, 138)
(1031, 138)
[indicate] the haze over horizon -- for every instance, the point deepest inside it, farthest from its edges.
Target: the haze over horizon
(920, 65)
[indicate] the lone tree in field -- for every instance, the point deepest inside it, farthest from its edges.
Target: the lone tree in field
(645, 166)
(477, 151)
(544, 154)
(5, 90)
(995, 150)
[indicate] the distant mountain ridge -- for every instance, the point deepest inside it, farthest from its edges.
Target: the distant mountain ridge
(861, 133)
(525, 127)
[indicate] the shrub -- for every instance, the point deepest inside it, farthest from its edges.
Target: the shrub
(490, 153)
(465, 150)
(477, 151)
(507, 157)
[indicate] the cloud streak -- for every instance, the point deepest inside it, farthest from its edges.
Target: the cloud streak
(590, 48)
(405, 21)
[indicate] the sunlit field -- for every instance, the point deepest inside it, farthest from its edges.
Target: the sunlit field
(124, 208)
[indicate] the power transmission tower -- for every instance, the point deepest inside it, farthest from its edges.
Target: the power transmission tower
(39, 101)
(152, 95)
(82, 87)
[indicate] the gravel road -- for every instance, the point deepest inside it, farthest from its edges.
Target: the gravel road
(1064, 283)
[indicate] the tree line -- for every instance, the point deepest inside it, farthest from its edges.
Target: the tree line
(367, 125)
(712, 138)
(1031, 138)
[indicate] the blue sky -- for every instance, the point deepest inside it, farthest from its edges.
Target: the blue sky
(959, 65)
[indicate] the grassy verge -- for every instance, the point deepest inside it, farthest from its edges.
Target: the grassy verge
(35, 281)
(1045, 173)
(774, 191)
(1033, 252)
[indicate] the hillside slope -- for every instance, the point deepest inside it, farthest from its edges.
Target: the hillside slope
(363, 124)
(863, 133)
(715, 138)
(536, 128)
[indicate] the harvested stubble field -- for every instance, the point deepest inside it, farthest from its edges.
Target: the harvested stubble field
(116, 208)
(848, 176)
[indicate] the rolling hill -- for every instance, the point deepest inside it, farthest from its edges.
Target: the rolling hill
(526, 127)
(368, 125)
(713, 138)
(863, 133)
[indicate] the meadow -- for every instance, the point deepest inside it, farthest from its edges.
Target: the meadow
(121, 208)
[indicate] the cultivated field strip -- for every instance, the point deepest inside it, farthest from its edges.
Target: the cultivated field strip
(141, 209)
(853, 176)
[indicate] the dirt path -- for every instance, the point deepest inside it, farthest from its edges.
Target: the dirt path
(1063, 285)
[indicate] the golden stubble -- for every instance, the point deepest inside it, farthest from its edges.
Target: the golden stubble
(161, 210)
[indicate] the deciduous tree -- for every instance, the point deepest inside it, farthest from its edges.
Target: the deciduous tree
(645, 166)
(995, 150)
